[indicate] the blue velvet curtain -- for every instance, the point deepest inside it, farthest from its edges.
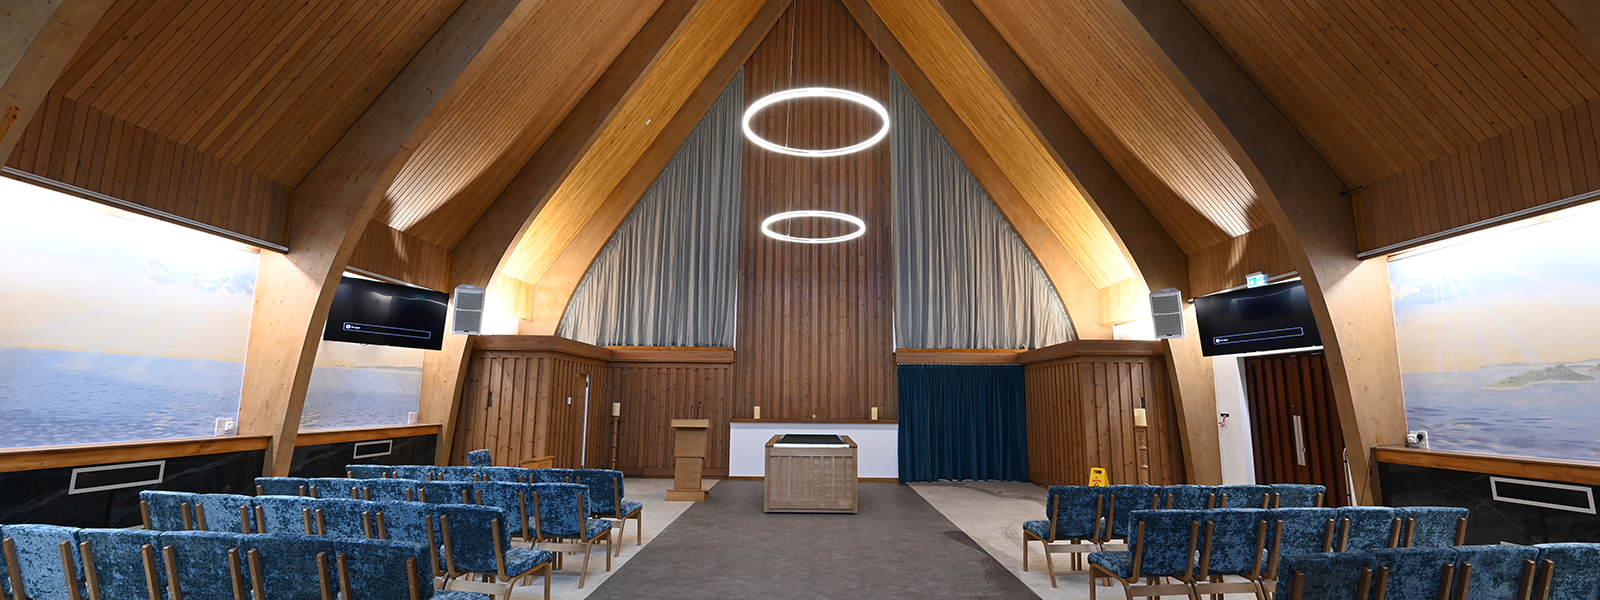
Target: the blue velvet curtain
(962, 422)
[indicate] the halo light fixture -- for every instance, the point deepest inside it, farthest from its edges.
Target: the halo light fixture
(766, 226)
(816, 92)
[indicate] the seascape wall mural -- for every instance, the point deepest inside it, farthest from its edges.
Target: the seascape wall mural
(1499, 339)
(116, 327)
(359, 385)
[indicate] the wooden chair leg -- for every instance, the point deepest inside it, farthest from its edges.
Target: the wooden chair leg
(584, 574)
(608, 551)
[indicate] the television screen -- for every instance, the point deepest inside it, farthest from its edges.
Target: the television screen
(1271, 317)
(385, 314)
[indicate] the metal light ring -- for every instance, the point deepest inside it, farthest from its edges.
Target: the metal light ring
(766, 226)
(816, 92)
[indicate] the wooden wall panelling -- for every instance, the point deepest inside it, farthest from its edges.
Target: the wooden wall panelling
(399, 255)
(1585, 16)
(1225, 265)
(814, 323)
(37, 43)
(1583, 473)
(1080, 414)
(75, 144)
(1280, 387)
(1538, 165)
(652, 395)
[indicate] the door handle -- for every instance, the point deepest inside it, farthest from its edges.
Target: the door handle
(1299, 443)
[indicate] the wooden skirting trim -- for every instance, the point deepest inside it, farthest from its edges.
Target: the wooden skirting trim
(939, 356)
(1093, 348)
(1492, 464)
(539, 343)
(862, 479)
(818, 421)
(79, 455)
(362, 434)
(670, 354)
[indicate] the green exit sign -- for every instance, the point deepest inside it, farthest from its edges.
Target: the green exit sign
(1257, 279)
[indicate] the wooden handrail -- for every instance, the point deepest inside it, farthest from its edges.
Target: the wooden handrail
(1569, 471)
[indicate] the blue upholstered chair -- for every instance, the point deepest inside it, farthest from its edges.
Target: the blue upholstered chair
(413, 522)
(550, 475)
(1414, 573)
(387, 569)
(562, 524)
(167, 511)
(1330, 576)
(503, 474)
(1122, 501)
(288, 566)
(477, 540)
(1163, 544)
(455, 473)
(225, 512)
(283, 486)
(1495, 572)
(287, 514)
(445, 492)
(203, 565)
(1072, 525)
(46, 560)
(517, 499)
(1298, 531)
(389, 490)
(606, 492)
(1244, 496)
(1297, 495)
(1433, 526)
(1189, 497)
(480, 458)
(342, 518)
(121, 564)
(417, 472)
(1567, 571)
(368, 471)
(1235, 544)
(1367, 528)
(335, 487)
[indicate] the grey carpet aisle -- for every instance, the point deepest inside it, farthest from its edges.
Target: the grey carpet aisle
(898, 547)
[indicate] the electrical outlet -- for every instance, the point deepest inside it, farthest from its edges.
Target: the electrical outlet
(411, 418)
(226, 427)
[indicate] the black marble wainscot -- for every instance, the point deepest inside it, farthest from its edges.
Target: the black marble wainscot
(1492, 521)
(41, 496)
(328, 460)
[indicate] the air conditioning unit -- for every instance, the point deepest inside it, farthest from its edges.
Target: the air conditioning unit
(467, 310)
(1166, 312)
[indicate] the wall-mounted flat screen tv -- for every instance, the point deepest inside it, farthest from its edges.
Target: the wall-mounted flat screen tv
(1270, 317)
(385, 314)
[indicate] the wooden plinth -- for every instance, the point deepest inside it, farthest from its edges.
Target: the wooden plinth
(690, 452)
(811, 479)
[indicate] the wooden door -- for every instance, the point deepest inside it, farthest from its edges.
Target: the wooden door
(1294, 422)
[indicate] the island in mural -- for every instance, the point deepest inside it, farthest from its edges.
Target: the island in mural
(1499, 340)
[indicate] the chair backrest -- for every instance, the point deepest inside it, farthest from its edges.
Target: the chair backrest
(288, 514)
(335, 487)
(1495, 572)
(221, 512)
(1124, 499)
(1567, 571)
(445, 492)
(38, 552)
(561, 510)
(203, 564)
(503, 474)
(456, 473)
(1431, 526)
(517, 499)
(344, 518)
(1297, 531)
(1188, 497)
(1236, 538)
(389, 489)
(170, 511)
(118, 559)
(369, 471)
(383, 569)
(1367, 528)
(1298, 495)
(282, 486)
(550, 475)
(285, 567)
(469, 537)
(605, 489)
(480, 458)
(417, 472)
(413, 522)
(1077, 510)
(1415, 573)
(1333, 576)
(1244, 496)
(1169, 541)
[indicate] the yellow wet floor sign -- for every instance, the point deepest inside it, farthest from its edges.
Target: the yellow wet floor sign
(1097, 477)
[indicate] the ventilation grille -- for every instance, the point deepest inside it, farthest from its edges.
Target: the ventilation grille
(468, 311)
(1166, 312)
(371, 449)
(116, 477)
(1543, 494)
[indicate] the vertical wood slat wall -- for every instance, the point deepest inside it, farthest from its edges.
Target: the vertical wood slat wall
(1279, 387)
(393, 253)
(652, 395)
(528, 414)
(815, 323)
(1080, 414)
(75, 144)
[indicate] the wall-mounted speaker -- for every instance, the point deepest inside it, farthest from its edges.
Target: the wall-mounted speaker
(1166, 311)
(468, 310)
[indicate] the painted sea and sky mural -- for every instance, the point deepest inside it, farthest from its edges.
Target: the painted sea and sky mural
(1499, 339)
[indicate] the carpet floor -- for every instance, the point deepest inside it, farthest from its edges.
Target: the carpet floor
(898, 547)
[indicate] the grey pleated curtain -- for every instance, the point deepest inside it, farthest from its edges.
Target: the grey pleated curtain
(669, 276)
(963, 278)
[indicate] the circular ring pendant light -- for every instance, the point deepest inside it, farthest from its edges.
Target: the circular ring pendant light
(816, 92)
(766, 226)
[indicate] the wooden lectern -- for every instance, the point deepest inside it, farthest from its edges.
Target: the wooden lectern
(690, 451)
